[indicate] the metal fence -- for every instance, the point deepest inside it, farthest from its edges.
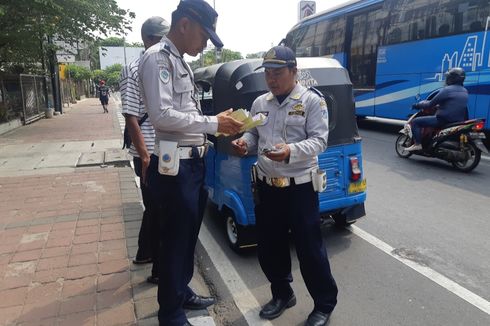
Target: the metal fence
(37, 96)
(11, 107)
(24, 97)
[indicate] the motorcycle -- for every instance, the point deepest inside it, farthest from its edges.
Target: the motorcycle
(459, 144)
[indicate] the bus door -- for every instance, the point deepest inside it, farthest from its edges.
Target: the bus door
(364, 33)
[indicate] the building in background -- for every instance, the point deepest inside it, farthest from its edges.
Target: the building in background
(110, 55)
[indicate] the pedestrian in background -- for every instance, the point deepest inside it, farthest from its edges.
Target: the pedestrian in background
(104, 95)
(141, 144)
(294, 133)
(176, 173)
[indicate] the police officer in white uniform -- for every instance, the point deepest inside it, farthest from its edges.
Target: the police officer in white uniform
(288, 142)
(167, 85)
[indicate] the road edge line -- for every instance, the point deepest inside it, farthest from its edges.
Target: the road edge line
(244, 299)
(453, 287)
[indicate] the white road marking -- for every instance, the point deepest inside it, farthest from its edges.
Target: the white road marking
(431, 274)
(244, 299)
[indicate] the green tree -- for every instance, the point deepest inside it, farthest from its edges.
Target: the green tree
(29, 26)
(209, 58)
(112, 41)
(136, 45)
(259, 55)
(229, 55)
(111, 75)
(78, 73)
(98, 75)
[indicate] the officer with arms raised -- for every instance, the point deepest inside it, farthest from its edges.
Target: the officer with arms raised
(294, 133)
(176, 182)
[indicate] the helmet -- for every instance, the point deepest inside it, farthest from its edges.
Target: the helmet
(455, 76)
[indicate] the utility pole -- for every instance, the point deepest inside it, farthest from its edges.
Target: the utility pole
(54, 74)
(124, 45)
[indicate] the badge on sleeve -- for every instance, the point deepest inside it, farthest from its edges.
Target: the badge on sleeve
(325, 114)
(164, 75)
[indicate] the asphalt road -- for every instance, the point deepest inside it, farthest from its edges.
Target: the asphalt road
(426, 213)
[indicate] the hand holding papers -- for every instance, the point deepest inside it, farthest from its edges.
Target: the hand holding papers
(248, 121)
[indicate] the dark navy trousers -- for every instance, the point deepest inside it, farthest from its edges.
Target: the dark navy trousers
(181, 202)
(421, 122)
(294, 208)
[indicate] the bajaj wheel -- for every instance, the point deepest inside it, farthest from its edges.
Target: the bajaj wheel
(341, 220)
(473, 156)
(233, 231)
(402, 142)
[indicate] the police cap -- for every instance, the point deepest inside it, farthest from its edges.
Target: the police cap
(201, 12)
(279, 57)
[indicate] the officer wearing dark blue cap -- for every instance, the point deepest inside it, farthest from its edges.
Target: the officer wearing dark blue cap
(176, 173)
(294, 133)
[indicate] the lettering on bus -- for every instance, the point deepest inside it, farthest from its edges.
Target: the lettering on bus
(306, 79)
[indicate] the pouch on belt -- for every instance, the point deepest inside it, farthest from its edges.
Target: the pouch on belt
(169, 158)
(319, 180)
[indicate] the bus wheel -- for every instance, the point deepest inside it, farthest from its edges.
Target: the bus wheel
(402, 142)
(233, 231)
(341, 220)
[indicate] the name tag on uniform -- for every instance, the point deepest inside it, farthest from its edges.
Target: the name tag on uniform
(300, 113)
(169, 158)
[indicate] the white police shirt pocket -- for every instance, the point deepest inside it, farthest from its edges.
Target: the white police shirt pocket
(183, 85)
(266, 118)
(295, 126)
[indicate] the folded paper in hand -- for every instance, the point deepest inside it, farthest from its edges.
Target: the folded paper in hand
(248, 121)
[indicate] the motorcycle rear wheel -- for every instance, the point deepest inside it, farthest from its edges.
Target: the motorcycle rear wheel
(474, 156)
(402, 142)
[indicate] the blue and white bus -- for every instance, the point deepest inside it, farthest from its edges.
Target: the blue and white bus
(396, 49)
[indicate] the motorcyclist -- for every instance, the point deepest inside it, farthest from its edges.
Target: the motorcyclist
(451, 103)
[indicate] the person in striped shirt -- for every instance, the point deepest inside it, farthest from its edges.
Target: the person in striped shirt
(143, 140)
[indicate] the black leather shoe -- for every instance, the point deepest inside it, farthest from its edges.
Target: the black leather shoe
(276, 307)
(197, 302)
(187, 324)
(317, 318)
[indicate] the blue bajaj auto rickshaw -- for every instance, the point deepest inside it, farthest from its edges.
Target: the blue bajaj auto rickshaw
(236, 85)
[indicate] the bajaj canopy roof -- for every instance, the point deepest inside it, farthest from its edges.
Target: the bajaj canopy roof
(236, 85)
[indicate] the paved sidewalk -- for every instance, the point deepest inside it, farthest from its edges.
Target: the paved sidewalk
(68, 230)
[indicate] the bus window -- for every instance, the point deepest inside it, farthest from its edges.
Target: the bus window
(334, 42)
(304, 47)
(463, 16)
(411, 20)
(367, 31)
(329, 37)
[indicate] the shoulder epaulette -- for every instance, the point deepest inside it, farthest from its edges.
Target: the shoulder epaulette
(316, 91)
(165, 49)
